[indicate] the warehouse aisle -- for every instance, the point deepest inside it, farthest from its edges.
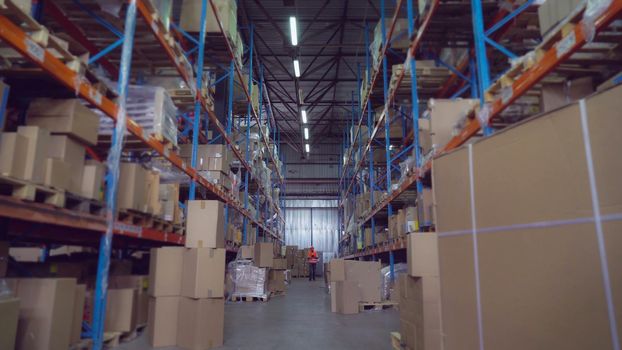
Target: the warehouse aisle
(300, 320)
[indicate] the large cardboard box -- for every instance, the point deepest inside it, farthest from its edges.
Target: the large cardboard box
(58, 174)
(420, 312)
(333, 297)
(132, 191)
(550, 13)
(200, 324)
(276, 281)
(162, 325)
(556, 95)
(203, 273)
(247, 251)
(205, 224)
(140, 283)
(78, 313)
(36, 152)
(290, 255)
(9, 314)
(401, 223)
(532, 279)
(92, 180)
(152, 193)
(69, 117)
(13, 147)
(264, 254)
(422, 254)
(190, 19)
(120, 310)
(367, 276)
(165, 271)
(444, 115)
(347, 297)
(279, 264)
(337, 270)
(45, 312)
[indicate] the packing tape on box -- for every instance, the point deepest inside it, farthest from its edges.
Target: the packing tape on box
(613, 328)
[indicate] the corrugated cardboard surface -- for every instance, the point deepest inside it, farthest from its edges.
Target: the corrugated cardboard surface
(203, 273)
(120, 310)
(337, 270)
(72, 153)
(165, 271)
(420, 312)
(422, 254)
(36, 151)
(247, 251)
(58, 174)
(541, 287)
(78, 313)
(13, 147)
(9, 314)
(205, 224)
(367, 276)
(162, 325)
(263, 256)
(200, 323)
(132, 186)
(68, 116)
(46, 312)
(347, 296)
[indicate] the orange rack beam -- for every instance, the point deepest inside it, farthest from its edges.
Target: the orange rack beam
(185, 70)
(14, 36)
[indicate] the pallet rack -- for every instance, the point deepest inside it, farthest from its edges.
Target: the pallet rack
(87, 228)
(556, 48)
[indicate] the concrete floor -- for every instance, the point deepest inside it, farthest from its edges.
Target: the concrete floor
(299, 320)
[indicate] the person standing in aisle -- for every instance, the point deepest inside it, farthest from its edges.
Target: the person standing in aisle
(312, 258)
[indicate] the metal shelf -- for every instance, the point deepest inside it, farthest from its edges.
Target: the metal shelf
(14, 36)
(175, 55)
(414, 45)
(385, 247)
(551, 57)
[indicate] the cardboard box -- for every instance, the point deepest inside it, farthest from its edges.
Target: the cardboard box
(200, 324)
(347, 297)
(152, 200)
(13, 147)
(337, 270)
(58, 174)
(411, 222)
(279, 264)
(420, 311)
(366, 274)
(72, 153)
(132, 187)
(422, 254)
(165, 271)
(550, 13)
(9, 314)
(532, 278)
(556, 95)
(290, 254)
(333, 297)
(45, 312)
(120, 310)
(162, 325)
(444, 115)
(140, 283)
(93, 180)
(247, 251)
(264, 254)
(203, 273)
(227, 13)
(78, 313)
(205, 224)
(426, 207)
(401, 223)
(276, 281)
(36, 152)
(68, 116)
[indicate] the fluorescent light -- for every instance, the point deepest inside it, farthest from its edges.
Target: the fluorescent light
(306, 133)
(304, 116)
(293, 31)
(296, 68)
(307, 148)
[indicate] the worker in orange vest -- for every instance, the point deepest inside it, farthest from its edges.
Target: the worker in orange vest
(312, 258)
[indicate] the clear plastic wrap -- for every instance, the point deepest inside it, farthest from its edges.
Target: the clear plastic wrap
(387, 283)
(483, 115)
(593, 10)
(152, 108)
(248, 279)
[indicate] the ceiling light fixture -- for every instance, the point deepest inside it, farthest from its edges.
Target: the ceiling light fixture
(304, 116)
(307, 148)
(293, 31)
(306, 133)
(296, 68)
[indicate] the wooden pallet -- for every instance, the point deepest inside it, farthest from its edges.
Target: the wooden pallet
(84, 205)
(31, 192)
(278, 294)
(250, 298)
(363, 306)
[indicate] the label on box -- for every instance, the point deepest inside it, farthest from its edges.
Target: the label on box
(35, 50)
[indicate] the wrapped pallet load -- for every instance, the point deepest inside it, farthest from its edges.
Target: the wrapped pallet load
(152, 108)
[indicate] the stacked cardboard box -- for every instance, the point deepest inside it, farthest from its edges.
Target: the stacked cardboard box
(549, 269)
(227, 14)
(139, 284)
(186, 307)
(263, 256)
(205, 224)
(550, 13)
(213, 162)
(353, 282)
(290, 255)
(419, 294)
(301, 266)
(444, 115)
